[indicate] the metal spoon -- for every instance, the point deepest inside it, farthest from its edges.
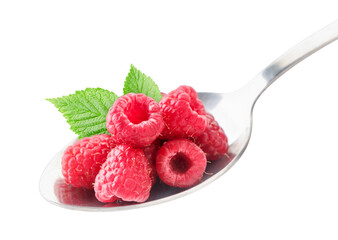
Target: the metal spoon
(233, 111)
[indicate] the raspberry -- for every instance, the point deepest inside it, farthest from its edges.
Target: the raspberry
(180, 163)
(183, 114)
(135, 119)
(124, 175)
(82, 160)
(150, 153)
(213, 141)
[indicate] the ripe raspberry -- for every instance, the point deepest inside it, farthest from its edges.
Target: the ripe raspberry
(150, 153)
(124, 175)
(82, 160)
(183, 114)
(180, 163)
(135, 119)
(213, 141)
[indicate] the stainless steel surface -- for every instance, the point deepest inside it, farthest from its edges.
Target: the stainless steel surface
(233, 111)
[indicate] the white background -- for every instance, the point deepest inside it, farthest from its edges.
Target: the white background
(284, 187)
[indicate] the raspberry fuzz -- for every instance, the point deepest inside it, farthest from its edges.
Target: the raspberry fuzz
(135, 119)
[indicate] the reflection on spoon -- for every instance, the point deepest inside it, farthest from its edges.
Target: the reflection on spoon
(78, 196)
(66, 194)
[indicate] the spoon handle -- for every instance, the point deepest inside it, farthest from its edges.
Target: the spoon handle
(301, 51)
(289, 59)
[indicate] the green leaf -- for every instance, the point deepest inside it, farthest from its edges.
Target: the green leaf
(86, 110)
(138, 82)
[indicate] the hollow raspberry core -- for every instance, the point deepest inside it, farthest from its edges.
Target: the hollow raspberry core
(180, 163)
(137, 113)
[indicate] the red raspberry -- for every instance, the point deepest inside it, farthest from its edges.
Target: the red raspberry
(135, 119)
(213, 141)
(180, 163)
(183, 114)
(82, 160)
(124, 175)
(150, 153)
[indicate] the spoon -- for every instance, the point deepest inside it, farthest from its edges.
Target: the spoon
(233, 111)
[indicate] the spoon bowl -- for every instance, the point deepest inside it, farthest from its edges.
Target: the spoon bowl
(233, 111)
(55, 190)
